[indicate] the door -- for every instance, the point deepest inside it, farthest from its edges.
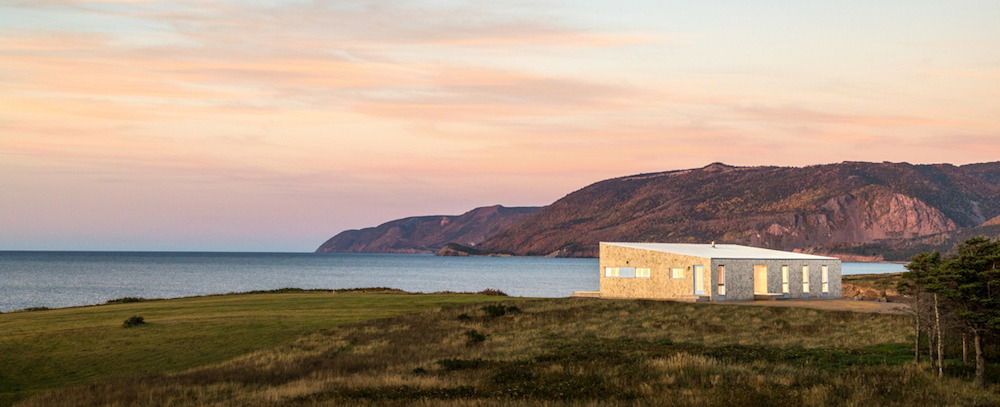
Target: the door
(699, 280)
(760, 279)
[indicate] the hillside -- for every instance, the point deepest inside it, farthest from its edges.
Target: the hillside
(823, 208)
(427, 234)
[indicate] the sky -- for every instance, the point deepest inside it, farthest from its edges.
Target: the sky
(271, 125)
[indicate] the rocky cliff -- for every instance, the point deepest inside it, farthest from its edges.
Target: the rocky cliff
(824, 209)
(427, 234)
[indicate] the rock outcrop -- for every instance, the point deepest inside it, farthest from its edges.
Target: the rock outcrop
(992, 222)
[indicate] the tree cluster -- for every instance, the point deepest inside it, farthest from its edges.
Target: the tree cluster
(959, 294)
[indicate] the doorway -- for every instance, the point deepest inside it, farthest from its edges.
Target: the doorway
(760, 279)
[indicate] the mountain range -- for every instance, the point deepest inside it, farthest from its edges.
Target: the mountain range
(855, 210)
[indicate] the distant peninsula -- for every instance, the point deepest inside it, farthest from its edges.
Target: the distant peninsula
(858, 211)
(428, 234)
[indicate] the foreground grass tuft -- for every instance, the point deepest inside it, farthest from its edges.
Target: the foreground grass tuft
(567, 352)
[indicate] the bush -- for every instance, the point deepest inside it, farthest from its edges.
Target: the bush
(419, 370)
(490, 291)
(474, 337)
(125, 300)
(464, 317)
(499, 310)
(133, 321)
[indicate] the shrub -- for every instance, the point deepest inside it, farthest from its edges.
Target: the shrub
(419, 370)
(125, 300)
(490, 291)
(474, 337)
(499, 310)
(464, 317)
(133, 321)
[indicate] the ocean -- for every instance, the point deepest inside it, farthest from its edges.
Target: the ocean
(31, 279)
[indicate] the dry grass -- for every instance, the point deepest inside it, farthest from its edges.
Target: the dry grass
(567, 352)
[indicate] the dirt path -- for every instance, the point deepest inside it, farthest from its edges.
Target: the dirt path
(831, 305)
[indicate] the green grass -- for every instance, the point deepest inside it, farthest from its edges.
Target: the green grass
(562, 352)
(43, 350)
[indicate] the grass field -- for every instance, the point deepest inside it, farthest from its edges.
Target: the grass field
(577, 351)
(43, 350)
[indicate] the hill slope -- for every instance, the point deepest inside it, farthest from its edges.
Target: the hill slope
(427, 234)
(817, 208)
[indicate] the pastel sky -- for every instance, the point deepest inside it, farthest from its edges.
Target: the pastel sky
(271, 125)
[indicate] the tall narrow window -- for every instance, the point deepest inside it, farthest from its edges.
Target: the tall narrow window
(826, 281)
(805, 281)
(722, 280)
(784, 280)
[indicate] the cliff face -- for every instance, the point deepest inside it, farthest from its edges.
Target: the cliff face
(820, 208)
(427, 234)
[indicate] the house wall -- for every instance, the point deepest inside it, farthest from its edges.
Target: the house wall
(739, 275)
(740, 278)
(659, 285)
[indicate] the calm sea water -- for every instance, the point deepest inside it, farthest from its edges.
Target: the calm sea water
(65, 279)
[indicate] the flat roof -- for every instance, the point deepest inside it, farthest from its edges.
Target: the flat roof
(720, 251)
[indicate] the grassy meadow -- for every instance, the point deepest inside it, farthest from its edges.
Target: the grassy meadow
(43, 350)
(577, 351)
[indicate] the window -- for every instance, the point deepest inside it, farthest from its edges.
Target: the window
(626, 272)
(722, 280)
(675, 272)
(826, 280)
(784, 280)
(805, 281)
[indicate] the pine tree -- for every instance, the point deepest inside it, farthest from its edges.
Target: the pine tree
(970, 280)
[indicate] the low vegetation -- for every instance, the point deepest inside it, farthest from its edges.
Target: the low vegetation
(876, 281)
(133, 321)
(578, 351)
(40, 351)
